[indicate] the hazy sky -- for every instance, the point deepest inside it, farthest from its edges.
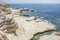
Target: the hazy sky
(31, 1)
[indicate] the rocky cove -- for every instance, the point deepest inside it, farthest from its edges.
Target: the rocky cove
(14, 25)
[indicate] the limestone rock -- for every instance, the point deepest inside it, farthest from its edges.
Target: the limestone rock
(6, 5)
(50, 37)
(56, 33)
(29, 28)
(15, 26)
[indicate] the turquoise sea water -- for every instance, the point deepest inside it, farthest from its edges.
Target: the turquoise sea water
(50, 12)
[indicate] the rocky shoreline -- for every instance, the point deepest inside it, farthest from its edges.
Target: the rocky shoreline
(14, 25)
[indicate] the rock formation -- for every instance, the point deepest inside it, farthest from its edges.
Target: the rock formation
(15, 26)
(53, 36)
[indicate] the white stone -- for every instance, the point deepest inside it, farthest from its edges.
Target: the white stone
(50, 37)
(28, 28)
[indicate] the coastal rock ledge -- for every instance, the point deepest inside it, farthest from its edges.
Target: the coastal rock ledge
(53, 36)
(14, 26)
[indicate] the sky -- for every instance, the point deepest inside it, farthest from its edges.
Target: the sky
(31, 1)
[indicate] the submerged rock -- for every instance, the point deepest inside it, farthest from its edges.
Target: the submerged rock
(32, 10)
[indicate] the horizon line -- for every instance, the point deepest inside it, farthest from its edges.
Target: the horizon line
(29, 3)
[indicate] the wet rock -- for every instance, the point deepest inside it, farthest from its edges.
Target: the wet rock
(32, 10)
(36, 18)
(24, 9)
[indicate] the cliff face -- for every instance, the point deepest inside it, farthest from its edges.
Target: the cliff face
(15, 26)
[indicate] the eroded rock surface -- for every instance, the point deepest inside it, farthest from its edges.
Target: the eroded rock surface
(15, 26)
(53, 36)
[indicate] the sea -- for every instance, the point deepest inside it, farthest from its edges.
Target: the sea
(50, 12)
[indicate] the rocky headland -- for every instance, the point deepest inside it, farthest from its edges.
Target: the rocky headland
(14, 25)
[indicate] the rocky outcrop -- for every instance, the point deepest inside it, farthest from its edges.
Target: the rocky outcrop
(53, 36)
(15, 26)
(29, 28)
(5, 5)
(32, 10)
